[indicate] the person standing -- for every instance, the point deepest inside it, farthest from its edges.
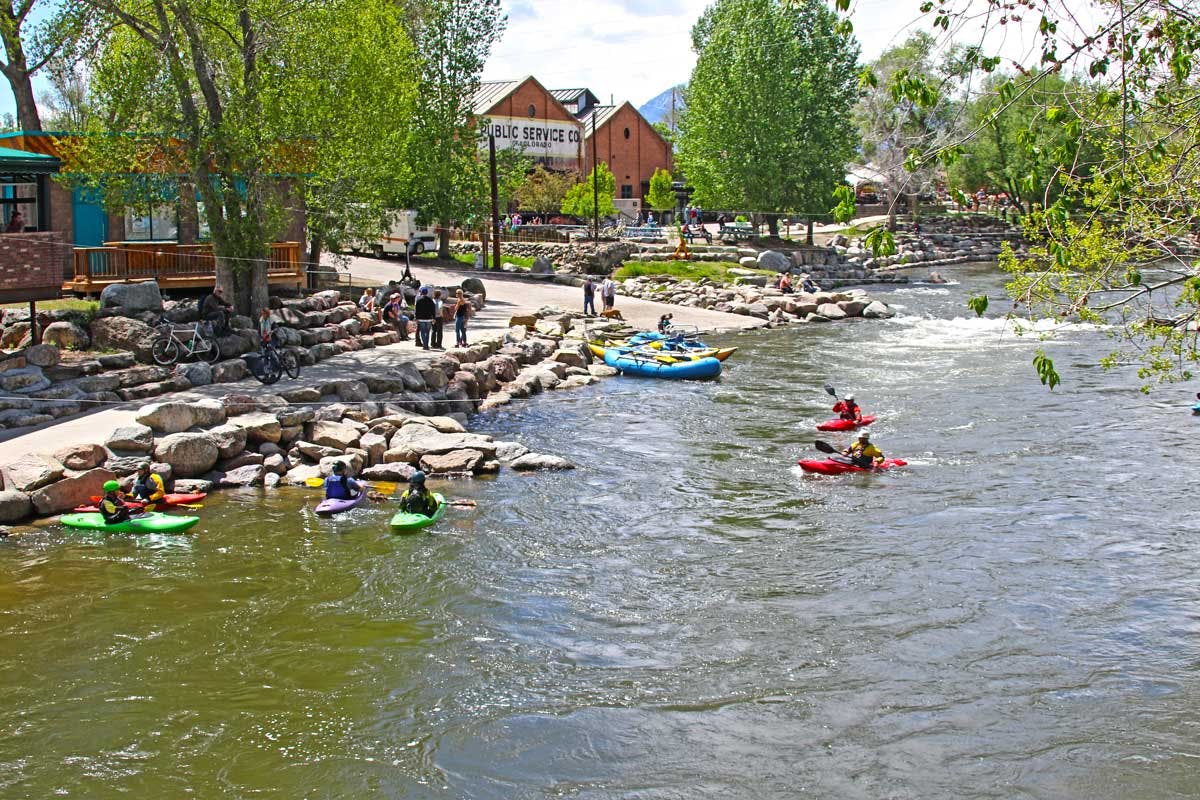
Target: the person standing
(589, 296)
(424, 310)
(16, 223)
(608, 293)
(462, 312)
(438, 319)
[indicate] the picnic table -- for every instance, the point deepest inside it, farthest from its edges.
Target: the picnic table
(737, 231)
(690, 232)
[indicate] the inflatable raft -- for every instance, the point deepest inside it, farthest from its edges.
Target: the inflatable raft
(634, 362)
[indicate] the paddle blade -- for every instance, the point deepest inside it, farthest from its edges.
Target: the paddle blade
(314, 483)
(384, 487)
(462, 503)
(830, 390)
(825, 447)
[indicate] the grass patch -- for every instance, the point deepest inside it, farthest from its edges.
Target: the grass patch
(469, 259)
(684, 270)
(66, 304)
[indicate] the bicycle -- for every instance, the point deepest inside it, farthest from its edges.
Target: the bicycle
(274, 363)
(168, 347)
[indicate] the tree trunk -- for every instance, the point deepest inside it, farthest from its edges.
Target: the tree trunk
(312, 261)
(809, 235)
(28, 118)
(773, 225)
(444, 240)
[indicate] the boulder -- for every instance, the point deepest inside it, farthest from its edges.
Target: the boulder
(228, 439)
(248, 475)
(455, 461)
(413, 441)
(510, 451)
(131, 299)
(473, 286)
(375, 446)
(538, 461)
(316, 452)
(303, 395)
(351, 391)
(602, 370)
(439, 424)
(774, 260)
(229, 371)
(70, 492)
(570, 357)
(276, 463)
(135, 438)
(296, 476)
(28, 472)
(14, 506)
(830, 311)
(81, 457)
(193, 485)
(337, 435)
(123, 333)
(170, 417)
(878, 310)
(242, 459)
(42, 355)
(189, 454)
(527, 321)
(396, 471)
(541, 266)
(260, 426)
(197, 373)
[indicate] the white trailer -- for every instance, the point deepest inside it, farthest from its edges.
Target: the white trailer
(402, 234)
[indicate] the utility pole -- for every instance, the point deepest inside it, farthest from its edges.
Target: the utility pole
(595, 185)
(495, 202)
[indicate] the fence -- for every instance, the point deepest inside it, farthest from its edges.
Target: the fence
(180, 266)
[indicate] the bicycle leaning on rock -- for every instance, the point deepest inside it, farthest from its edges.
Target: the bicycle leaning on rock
(271, 362)
(175, 342)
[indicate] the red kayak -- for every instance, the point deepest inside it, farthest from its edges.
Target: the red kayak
(845, 424)
(167, 500)
(827, 466)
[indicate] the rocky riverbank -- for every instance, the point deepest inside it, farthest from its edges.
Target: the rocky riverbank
(762, 302)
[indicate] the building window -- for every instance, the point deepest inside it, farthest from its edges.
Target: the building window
(627, 133)
(626, 191)
(532, 110)
(161, 224)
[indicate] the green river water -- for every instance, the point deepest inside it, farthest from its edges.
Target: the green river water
(1014, 615)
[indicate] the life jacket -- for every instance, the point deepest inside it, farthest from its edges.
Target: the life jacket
(113, 511)
(148, 488)
(419, 502)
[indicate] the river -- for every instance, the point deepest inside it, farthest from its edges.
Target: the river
(1014, 615)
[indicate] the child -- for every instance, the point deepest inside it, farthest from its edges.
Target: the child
(664, 323)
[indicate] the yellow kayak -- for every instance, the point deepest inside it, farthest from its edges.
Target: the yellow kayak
(719, 353)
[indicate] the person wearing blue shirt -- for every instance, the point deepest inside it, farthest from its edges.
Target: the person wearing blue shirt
(340, 486)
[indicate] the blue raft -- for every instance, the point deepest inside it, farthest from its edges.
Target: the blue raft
(655, 365)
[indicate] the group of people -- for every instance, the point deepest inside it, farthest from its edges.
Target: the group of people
(784, 283)
(861, 452)
(417, 499)
(429, 312)
(147, 489)
(608, 294)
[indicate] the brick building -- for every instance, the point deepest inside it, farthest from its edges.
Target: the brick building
(523, 114)
(630, 146)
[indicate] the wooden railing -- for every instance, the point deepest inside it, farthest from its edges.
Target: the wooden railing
(171, 264)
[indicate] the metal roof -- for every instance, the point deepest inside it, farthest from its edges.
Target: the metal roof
(24, 161)
(601, 114)
(566, 95)
(490, 93)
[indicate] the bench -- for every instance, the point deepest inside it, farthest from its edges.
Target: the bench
(691, 233)
(737, 231)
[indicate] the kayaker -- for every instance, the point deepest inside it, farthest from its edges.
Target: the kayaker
(847, 409)
(417, 499)
(148, 486)
(862, 453)
(112, 505)
(340, 486)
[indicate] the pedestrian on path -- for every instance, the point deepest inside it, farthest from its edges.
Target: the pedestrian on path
(589, 296)
(438, 319)
(608, 293)
(424, 311)
(462, 312)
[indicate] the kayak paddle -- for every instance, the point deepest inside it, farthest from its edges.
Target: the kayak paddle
(826, 447)
(455, 503)
(830, 390)
(386, 487)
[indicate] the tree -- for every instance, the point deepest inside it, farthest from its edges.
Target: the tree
(29, 45)
(544, 190)
(219, 91)
(892, 126)
(66, 100)
(580, 199)
(454, 38)
(661, 196)
(767, 125)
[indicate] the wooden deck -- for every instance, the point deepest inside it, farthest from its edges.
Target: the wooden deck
(174, 266)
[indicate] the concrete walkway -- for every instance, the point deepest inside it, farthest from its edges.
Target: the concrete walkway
(506, 296)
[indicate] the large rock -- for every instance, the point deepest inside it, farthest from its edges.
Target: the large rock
(455, 461)
(14, 506)
(70, 492)
(229, 371)
(197, 373)
(510, 451)
(396, 471)
(296, 476)
(123, 333)
(176, 416)
(260, 426)
(853, 308)
(42, 355)
(316, 452)
(337, 435)
(229, 439)
(193, 485)
(136, 438)
(830, 311)
(472, 286)
(541, 266)
(28, 472)
(81, 457)
(602, 370)
(131, 299)
(375, 446)
(248, 475)
(413, 441)
(774, 260)
(189, 454)
(537, 461)
(877, 310)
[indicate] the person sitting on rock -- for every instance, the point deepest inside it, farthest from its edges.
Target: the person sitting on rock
(417, 499)
(862, 453)
(785, 283)
(112, 505)
(148, 486)
(215, 309)
(340, 486)
(394, 314)
(807, 285)
(847, 409)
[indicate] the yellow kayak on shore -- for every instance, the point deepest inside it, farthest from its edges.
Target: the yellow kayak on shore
(719, 353)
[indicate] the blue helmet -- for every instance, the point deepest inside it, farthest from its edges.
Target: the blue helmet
(418, 478)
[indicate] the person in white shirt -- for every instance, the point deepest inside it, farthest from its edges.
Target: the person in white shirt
(608, 293)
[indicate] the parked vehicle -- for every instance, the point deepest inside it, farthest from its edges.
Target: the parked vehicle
(401, 235)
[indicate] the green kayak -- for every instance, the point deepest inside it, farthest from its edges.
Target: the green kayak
(145, 523)
(403, 522)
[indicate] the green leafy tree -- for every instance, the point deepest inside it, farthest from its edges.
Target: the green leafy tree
(661, 196)
(33, 33)
(767, 122)
(580, 199)
(454, 38)
(544, 190)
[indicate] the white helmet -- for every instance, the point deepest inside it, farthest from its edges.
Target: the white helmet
(864, 434)
(850, 397)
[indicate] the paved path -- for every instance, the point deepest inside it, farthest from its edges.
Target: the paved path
(506, 296)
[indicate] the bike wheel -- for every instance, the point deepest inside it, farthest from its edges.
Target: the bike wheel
(272, 371)
(164, 351)
(290, 364)
(213, 354)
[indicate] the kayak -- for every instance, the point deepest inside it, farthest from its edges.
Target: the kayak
(176, 499)
(404, 522)
(336, 505)
(827, 466)
(145, 523)
(845, 424)
(669, 367)
(694, 349)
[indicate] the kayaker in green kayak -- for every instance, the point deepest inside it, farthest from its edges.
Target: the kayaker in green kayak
(862, 453)
(112, 505)
(417, 499)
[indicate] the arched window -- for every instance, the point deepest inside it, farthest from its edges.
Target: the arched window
(627, 133)
(532, 110)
